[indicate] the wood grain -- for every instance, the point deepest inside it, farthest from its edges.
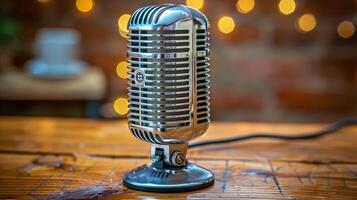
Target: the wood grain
(47, 158)
(58, 177)
(112, 138)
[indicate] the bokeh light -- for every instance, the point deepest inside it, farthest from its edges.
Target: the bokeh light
(84, 5)
(198, 4)
(245, 6)
(345, 29)
(121, 106)
(226, 24)
(123, 24)
(122, 69)
(307, 22)
(287, 7)
(43, 1)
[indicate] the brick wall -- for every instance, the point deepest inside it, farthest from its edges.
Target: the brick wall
(265, 70)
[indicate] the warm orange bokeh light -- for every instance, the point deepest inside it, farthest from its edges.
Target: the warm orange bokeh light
(198, 4)
(287, 7)
(345, 29)
(307, 22)
(122, 69)
(245, 6)
(84, 5)
(121, 106)
(226, 24)
(123, 24)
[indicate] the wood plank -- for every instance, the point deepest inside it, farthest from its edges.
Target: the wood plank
(76, 136)
(58, 177)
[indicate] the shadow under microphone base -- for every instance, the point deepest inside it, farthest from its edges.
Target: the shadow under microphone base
(151, 179)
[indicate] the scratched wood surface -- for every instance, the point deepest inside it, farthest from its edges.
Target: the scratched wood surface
(49, 158)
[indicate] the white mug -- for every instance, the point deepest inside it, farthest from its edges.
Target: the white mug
(57, 45)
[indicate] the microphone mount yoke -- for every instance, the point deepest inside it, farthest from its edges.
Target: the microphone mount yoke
(169, 156)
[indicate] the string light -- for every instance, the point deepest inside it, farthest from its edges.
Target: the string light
(245, 6)
(122, 69)
(287, 7)
(84, 5)
(307, 22)
(198, 4)
(226, 24)
(345, 29)
(123, 24)
(121, 106)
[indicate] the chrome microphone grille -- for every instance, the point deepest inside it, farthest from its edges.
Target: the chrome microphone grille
(168, 74)
(165, 97)
(169, 94)
(148, 15)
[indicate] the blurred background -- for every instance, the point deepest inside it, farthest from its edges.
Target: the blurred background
(271, 60)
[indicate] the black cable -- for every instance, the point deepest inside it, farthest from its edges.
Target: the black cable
(330, 129)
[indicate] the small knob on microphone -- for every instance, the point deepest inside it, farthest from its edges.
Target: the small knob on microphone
(178, 159)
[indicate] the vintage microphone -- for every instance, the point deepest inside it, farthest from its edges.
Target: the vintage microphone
(169, 94)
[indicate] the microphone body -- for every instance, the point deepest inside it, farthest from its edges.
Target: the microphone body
(169, 94)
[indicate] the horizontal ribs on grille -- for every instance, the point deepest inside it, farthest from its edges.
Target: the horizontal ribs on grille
(169, 83)
(164, 101)
(203, 81)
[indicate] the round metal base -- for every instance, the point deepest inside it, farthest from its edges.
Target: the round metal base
(151, 179)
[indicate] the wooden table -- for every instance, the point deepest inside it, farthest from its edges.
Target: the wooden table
(71, 158)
